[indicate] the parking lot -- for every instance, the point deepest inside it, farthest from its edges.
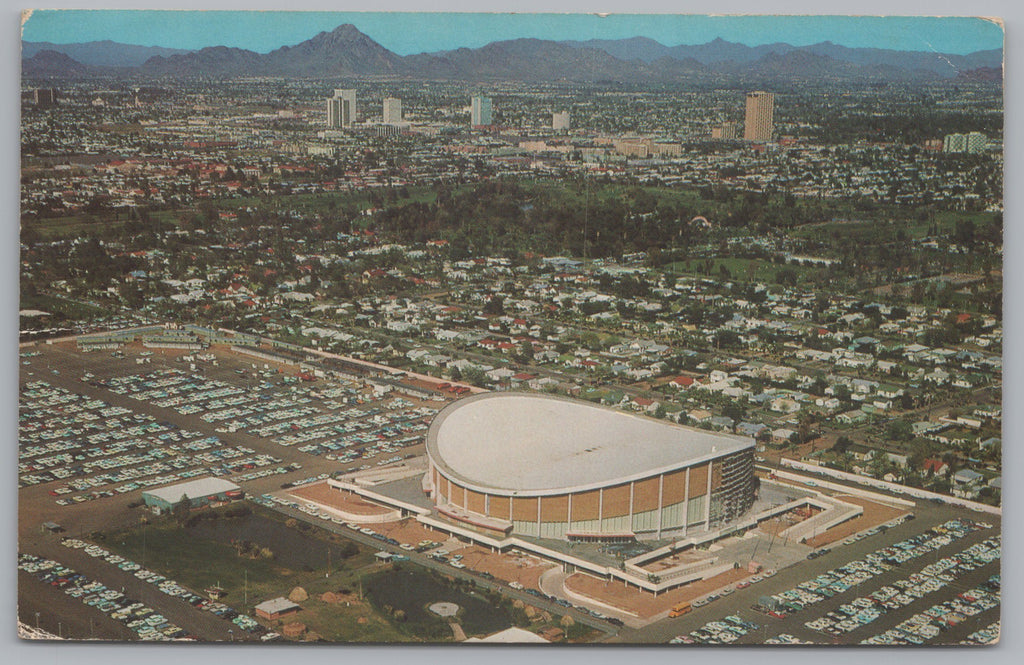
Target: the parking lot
(98, 428)
(856, 578)
(119, 605)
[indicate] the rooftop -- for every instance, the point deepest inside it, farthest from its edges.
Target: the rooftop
(277, 605)
(538, 444)
(193, 489)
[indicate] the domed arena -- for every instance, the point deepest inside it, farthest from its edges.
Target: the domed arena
(552, 467)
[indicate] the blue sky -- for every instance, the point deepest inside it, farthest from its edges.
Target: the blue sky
(406, 33)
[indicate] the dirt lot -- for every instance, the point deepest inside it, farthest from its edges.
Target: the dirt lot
(674, 560)
(343, 500)
(511, 567)
(873, 515)
(776, 525)
(642, 603)
(408, 531)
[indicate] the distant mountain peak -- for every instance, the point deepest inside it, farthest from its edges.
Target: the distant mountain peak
(346, 51)
(48, 63)
(348, 30)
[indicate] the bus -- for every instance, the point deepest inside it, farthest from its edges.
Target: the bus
(680, 609)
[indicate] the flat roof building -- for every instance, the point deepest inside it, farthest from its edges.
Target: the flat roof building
(276, 607)
(199, 492)
(560, 121)
(392, 110)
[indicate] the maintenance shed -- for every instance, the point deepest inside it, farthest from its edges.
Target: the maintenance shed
(201, 492)
(276, 608)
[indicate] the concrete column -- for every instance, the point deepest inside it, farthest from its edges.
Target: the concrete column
(487, 505)
(707, 508)
(538, 516)
(631, 504)
(600, 508)
(661, 495)
(568, 516)
(686, 502)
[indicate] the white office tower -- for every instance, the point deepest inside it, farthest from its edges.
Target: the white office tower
(392, 110)
(560, 121)
(480, 112)
(341, 109)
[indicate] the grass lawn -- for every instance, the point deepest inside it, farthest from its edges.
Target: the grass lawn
(759, 270)
(73, 226)
(204, 555)
(411, 590)
(60, 307)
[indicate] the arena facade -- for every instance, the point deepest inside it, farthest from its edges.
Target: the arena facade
(552, 467)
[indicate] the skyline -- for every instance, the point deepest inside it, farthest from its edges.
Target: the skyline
(407, 33)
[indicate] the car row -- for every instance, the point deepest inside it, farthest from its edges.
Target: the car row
(863, 610)
(103, 450)
(987, 635)
(166, 586)
(723, 631)
(348, 426)
(925, 626)
(842, 578)
(786, 638)
(143, 620)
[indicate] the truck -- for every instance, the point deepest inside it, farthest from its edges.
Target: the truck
(679, 609)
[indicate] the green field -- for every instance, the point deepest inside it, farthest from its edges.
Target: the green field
(61, 308)
(757, 270)
(74, 226)
(223, 552)
(886, 227)
(411, 591)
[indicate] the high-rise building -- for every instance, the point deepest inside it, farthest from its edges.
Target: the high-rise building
(976, 142)
(972, 143)
(954, 143)
(392, 110)
(44, 97)
(725, 131)
(480, 111)
(341, 109)
(560, 121)
(758, 124)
